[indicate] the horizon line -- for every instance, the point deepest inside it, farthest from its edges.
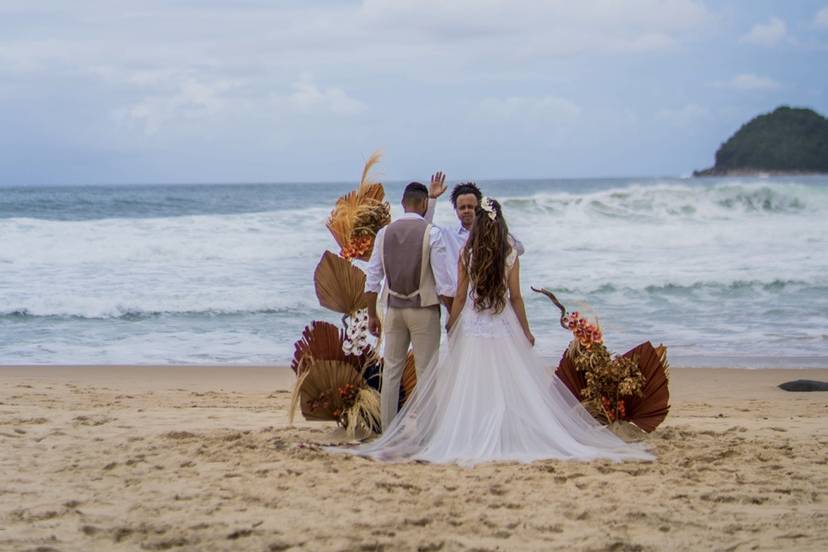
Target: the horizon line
(325, 182)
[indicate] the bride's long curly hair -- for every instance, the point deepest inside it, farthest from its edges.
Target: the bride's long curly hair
(484, 257)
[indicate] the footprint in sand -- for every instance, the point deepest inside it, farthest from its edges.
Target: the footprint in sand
(93, 420)
(178, 435)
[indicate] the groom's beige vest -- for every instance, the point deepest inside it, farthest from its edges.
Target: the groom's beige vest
(405, 254)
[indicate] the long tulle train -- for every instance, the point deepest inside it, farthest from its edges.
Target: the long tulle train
(488, 397)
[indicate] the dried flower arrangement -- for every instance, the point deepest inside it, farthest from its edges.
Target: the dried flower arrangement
(632, 387)
(337, 369)
(609, 379)
(359, 215)
(331, 383)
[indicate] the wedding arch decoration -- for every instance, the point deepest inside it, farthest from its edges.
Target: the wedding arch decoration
(633, 387)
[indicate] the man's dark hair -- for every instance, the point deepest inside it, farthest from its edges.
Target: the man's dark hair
(465, 188)
(415, 192)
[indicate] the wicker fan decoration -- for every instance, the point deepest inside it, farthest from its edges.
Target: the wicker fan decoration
(330, 384)
(358, 215)
(632, 387)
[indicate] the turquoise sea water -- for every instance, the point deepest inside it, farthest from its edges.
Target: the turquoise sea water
(729, 272)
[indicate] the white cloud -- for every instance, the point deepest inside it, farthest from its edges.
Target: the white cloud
(160, 78)
(521, 15)
(528, 109)
(308, 97)
(190, 100)
(821, 18)
(748, 81)
(174, 99)
(256, 39)
(649, 42)
(766, 34)
(558, 27)
(32, 56)
(684, 117)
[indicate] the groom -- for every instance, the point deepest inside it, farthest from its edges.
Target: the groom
(410, 257)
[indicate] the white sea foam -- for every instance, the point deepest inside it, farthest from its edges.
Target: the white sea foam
(674, 235)
(116, 267)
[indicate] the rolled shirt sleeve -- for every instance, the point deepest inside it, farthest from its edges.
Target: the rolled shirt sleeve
(444, 281)
(374, 273)
(429, 214)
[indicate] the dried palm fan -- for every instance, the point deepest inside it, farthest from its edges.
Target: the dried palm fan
(358, 215)
(341, 220)
(339, 284)
(571, 376)
(646, 410)
(321, 341)
(331, 390)
(409, 379)
(650, 409)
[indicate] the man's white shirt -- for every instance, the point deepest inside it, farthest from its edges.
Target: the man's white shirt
(445, 281)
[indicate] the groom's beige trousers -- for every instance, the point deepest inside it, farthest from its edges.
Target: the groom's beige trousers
(421, 328)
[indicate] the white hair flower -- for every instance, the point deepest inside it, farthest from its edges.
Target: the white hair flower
(487, 205)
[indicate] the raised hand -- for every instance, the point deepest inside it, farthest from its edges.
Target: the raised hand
(438, 185)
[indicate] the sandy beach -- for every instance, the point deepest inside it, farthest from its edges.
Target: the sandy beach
(203, 458)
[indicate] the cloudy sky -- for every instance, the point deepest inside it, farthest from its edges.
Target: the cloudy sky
(103, 91)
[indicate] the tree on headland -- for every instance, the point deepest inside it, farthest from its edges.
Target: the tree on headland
(788, 140)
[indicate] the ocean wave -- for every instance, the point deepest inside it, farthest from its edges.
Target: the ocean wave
(670, 200)
(132, 313)
(202, 238)
(313, 212)
(736, 285)
(673, 288)
(76, 203)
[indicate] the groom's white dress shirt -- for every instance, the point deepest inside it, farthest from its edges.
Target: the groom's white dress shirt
(444, 282)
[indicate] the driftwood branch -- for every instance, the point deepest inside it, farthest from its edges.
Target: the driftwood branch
(558, 304)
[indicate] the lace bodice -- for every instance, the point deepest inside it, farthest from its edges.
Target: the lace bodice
(487, 323)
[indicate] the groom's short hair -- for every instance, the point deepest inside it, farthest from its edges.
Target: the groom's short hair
(415, 192)
(465, 188)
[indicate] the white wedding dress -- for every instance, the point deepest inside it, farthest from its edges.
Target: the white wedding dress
(487, 397)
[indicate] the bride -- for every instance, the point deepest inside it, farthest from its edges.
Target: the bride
(487, 396)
